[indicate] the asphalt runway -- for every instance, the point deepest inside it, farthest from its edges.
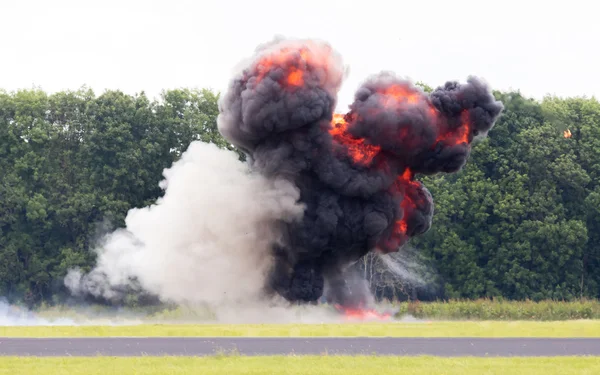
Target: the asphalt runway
(196, 346)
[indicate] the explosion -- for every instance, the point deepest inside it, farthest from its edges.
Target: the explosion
(356, 172)
(318, 191)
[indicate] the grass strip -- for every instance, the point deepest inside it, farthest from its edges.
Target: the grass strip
(305, 365)
(573, 328)
(498, 309)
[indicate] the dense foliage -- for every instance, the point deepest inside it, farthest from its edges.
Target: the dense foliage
(71, 162)
(522, 220)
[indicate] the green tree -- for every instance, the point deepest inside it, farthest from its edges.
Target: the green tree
(72, 160)
(517, 221)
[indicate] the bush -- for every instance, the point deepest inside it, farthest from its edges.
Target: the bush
(486, 309)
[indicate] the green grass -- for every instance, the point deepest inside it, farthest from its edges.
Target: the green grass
(486, 309)
(483, 309)
(575, 328)
(300, 365)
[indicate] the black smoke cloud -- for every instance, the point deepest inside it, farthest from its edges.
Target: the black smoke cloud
(356, 174)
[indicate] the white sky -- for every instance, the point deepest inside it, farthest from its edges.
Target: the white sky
(133, 45)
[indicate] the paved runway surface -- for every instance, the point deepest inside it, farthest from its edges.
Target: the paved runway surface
(110, 346)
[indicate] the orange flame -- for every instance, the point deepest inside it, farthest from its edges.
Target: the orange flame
(404, 182)
(295, 60)
(408, 178)
(400, 92)
(567, 133)
(460, 135)
(391, 96)
(358, 149)
(362, 314)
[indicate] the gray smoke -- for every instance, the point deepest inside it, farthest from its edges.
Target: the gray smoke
(355, 172)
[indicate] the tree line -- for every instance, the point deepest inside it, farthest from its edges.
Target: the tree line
(521, 221)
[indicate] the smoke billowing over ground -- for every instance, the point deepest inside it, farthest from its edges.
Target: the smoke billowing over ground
(319, 190)
(206, 240)
(11, 315)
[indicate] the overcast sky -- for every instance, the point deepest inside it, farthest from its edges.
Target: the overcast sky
(133, 45)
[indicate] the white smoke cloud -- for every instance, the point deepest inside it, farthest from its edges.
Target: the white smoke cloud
(206, 241)
(12, 315)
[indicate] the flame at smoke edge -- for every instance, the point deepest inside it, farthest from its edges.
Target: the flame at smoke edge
(362, 314)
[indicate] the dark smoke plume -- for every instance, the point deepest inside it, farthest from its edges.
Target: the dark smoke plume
(355, 172)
